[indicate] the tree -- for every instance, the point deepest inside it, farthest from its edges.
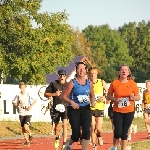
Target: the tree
(108, 48)
(29, 53)
(81, 45)
(137, 37)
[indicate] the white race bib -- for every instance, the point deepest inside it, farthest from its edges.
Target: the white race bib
(83, 98)
(124, 102)
(60, 107)
(97, 97)
(147, 106)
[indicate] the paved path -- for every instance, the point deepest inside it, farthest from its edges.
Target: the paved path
(46, 142)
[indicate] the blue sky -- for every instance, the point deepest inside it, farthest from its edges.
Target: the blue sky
(98, 12)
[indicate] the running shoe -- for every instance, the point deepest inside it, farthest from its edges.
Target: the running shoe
(129, 137)
(30, 138)
(67, 146)
(100, 141)
(51, 133)
(128, 147)
(135, 129)
(94, 147)
(56, 143)
(63, 146)
(27, 144)
(112, 148)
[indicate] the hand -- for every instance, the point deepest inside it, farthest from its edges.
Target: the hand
(29, 108)
(132, 97)
(117, 99)
(74, 105)
(93, 104)
(102, 99)
(57, 93)
(142, 105)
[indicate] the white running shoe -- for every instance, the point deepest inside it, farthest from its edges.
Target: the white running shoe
(128, 147)
(135, 129)
(100, 141)
(129, 137)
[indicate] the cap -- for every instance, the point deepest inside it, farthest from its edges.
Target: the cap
(62, 72)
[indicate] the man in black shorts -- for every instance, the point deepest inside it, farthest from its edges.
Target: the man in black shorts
(59, 108)
(25, 103)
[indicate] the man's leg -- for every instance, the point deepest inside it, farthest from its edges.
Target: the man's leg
(27, 127)
(146, 122)
(99, 123)
(56, 122)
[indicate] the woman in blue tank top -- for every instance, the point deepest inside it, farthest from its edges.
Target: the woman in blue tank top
(80, 92)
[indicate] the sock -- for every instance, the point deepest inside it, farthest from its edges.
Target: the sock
(57, 138)
(94, 145)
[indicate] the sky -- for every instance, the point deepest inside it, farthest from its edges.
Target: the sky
(99, 12)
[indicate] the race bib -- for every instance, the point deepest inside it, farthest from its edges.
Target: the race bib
(147, 106)
(60, 107)
(97, 97)
(124, 102)
(83, 98)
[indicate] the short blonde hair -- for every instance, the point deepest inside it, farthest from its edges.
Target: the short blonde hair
(147, 81)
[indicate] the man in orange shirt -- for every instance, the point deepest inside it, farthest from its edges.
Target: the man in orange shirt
(123, 92)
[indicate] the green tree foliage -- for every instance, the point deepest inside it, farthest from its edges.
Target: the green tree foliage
(29, 53)
(137, 37)
(81, 45)
(109, 50)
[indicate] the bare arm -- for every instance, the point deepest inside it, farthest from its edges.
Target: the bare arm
(66, 92)
(110, 97)
(92, 93)
(15, 102)
(105, 86)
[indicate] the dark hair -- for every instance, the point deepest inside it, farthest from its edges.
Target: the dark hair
(22, 83)
(129, 77)
(80, 62)
(77, 64)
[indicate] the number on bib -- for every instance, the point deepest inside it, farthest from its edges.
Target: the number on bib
(124, 102)
(147, 106)
(97, 97)
(83, 98)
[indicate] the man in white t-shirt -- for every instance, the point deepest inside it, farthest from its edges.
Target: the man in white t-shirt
(25, 103)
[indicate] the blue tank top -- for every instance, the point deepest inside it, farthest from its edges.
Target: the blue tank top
(80, 93)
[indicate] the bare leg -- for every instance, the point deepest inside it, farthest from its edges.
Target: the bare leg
(85, 144)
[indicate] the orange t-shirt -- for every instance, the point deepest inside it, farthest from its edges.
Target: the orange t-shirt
(123, 90)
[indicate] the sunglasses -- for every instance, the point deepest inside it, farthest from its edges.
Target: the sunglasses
(62, 75)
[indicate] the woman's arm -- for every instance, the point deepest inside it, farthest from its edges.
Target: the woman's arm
(66, 92)
(112, 98)
(92, 97)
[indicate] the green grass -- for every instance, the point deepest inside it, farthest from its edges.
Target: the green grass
(12, 128)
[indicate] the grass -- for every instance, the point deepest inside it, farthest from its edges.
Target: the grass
(12, 128)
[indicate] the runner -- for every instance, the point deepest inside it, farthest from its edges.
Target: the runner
(25, 103)
(98, 111)
(123, 92)
(79, 113)
(146, 106)
(50, 108)
(59, 109)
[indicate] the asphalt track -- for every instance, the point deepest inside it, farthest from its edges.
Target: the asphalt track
(46, 142)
